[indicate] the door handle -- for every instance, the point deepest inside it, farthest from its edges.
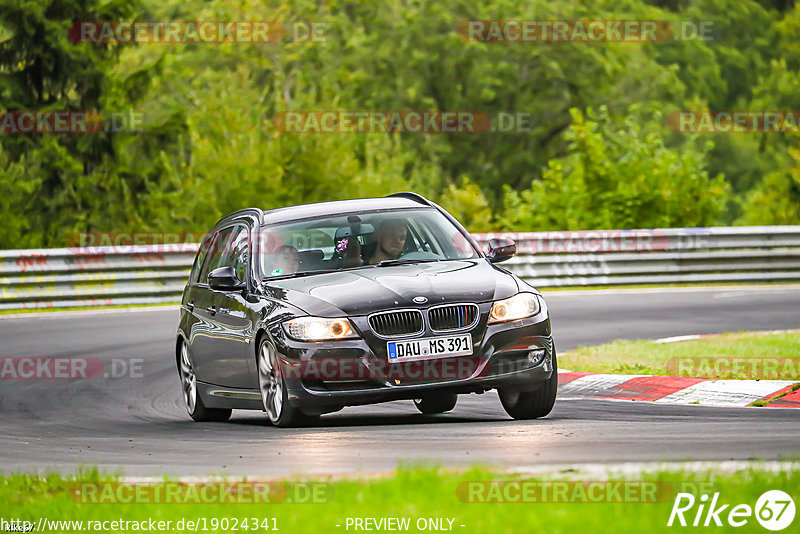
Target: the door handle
(212, 310)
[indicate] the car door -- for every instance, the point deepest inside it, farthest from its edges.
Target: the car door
(233, 350)
(196, 298)
(205, 336)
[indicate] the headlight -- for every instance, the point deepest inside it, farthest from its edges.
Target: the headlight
(517, 307)
(319, 329)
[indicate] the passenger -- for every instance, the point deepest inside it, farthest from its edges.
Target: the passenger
(390, 240)
(287, 261)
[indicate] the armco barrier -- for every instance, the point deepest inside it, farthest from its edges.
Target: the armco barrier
(94, 276)
(154, 274)
(661, 256)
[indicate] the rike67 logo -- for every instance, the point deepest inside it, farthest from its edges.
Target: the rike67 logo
(774, 510)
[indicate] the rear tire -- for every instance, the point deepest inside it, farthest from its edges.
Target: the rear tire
(191, 398)
(532, 404)
(436, 403)
(274, 396)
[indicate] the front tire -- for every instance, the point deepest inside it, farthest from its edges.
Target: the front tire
(532, 404)
(436, 403)
(194, 403)
(274, 396)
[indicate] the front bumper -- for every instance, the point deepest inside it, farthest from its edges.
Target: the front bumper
(327, 376)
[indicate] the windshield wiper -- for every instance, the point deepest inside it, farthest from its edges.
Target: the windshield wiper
(386, 263)
(300, 274)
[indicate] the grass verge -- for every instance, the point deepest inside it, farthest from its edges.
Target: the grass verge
(417, 494)
(744, 355)
(698, 285)
(88, 308)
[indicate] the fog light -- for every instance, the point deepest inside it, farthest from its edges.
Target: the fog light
(536, 356)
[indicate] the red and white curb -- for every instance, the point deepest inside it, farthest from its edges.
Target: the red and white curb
(677, 389)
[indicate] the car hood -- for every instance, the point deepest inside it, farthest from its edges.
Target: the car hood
(367, 290)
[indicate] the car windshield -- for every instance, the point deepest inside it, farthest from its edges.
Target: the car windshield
(380, 238)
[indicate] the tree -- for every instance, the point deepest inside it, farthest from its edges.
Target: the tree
(73, 182)
(468, 204)
(618, 176)
(776, 200)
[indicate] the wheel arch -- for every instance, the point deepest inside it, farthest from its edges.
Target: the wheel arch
(259, 337)
(179, 340)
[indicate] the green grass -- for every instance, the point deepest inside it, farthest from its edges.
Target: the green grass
(756, 352)
(88, 308)
(414, 493)
(764, 402)
(667, 286)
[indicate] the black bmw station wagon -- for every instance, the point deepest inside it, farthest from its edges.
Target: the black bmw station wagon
(301, 311)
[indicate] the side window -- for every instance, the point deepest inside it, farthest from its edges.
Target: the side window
(230, 249)
(238, 256)
(215, 255)
(202, 252)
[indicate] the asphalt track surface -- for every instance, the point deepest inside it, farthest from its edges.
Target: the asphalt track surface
(139, 427)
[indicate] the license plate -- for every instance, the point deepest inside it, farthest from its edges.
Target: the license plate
(429, 347)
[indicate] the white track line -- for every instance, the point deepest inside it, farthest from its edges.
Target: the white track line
(689, 337)
(725, 392)
(675, 339)
(600, 471)
(594, 385)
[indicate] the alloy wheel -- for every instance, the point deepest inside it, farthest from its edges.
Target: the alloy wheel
(270, 382)
(188, 380)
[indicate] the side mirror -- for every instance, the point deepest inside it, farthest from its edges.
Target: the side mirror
(224, 279)
(500, 249)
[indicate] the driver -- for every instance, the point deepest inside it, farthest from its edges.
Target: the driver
(391, 238)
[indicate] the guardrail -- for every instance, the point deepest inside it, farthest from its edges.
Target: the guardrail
(94, 276)
(97, 276)
(661, 256)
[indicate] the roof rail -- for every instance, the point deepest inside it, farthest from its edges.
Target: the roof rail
(416, 197)
(252, 211)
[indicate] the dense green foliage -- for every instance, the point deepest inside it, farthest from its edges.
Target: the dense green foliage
(598, 152)
(618, 178)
